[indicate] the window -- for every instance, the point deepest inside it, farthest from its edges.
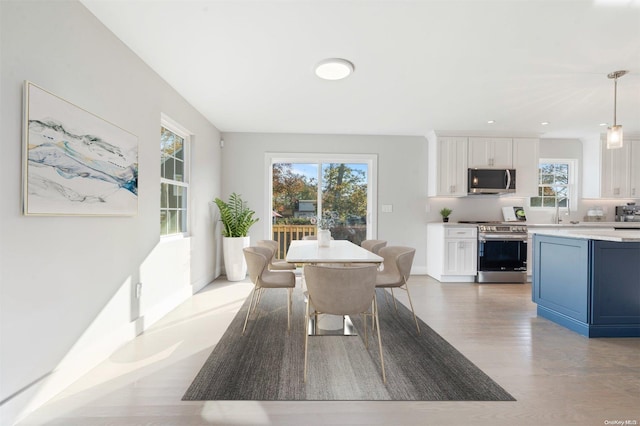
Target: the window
(555, 183)
(305, 186)
(174, 180)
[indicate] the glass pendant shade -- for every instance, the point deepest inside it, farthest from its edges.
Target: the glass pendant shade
(614, 133)
(614, 137)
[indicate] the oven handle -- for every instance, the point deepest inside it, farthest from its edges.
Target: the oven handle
(501, 237)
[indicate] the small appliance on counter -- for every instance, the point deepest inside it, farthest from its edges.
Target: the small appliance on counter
(628, 213)
(513, 214)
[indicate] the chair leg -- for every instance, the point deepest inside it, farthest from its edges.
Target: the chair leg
(394, 300)
(253, 295)
(375, 313)
(306, 337)
(406, 287)
(289, 290)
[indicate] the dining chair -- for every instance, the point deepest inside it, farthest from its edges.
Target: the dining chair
(373, 246)
(276, 264)
(257, 263)
(347, 290)
(395, 273)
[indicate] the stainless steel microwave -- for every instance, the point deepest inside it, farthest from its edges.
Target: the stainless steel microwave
(491, 181)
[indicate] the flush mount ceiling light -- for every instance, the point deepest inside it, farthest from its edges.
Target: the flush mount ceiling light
(614, 133)
(334, 69)
(491, 122)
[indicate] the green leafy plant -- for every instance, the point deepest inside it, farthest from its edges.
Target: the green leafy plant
(445, 212)
(236, 217)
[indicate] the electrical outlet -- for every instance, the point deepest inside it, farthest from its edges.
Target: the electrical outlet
(387, 208)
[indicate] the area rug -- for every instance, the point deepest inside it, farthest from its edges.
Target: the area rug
(266, 364)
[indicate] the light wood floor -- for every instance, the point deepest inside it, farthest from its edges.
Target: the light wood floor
(557, 376)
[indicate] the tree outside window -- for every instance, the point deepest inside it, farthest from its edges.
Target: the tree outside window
(555, 182)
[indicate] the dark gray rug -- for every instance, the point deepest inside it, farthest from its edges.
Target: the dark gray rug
(266, 364)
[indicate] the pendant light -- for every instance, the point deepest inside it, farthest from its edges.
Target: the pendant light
(614, 133)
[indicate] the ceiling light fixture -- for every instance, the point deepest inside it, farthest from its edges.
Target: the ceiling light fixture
(614, 133)
(491, 122)
(545, 123)
(334, 69)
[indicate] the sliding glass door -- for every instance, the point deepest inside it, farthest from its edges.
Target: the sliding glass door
(306, 188)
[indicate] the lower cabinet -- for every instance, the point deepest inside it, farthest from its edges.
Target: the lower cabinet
(589, 286)
(452, 252)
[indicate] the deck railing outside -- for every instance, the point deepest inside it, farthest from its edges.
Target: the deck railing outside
(284, 234)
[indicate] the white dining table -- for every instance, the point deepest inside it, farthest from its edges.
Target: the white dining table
(338, 251)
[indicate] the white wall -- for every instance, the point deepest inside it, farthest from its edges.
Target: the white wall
(67, 283)
(402, 178)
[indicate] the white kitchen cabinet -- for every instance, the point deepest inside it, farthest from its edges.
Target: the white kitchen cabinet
(634, 166)
(490, 153)
(452, 252)
(615, 176)
(526, 153)
(448, 166)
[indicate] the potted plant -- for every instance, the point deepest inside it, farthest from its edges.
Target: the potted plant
(445, 212)
(236, 219)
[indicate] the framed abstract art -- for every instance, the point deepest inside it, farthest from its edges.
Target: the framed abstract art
(75, 163)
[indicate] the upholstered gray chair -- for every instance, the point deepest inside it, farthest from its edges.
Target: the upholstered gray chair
(257, 263)
(395, 273)
(373, 246)
(276, 264)
(347, 290)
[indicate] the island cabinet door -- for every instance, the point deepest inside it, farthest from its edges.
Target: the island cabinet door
(616, 283)
(561, 276)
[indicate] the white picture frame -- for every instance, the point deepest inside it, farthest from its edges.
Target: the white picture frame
(75, 163)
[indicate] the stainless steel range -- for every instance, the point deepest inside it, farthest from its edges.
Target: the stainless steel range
(502, 253)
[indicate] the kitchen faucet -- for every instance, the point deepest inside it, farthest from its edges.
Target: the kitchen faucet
(558, 199)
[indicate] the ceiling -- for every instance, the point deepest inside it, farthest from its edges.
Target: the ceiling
(421, 65)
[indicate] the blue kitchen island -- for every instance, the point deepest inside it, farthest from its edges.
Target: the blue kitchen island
(589, 281)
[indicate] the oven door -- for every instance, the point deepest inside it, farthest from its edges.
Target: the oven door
(495, 254)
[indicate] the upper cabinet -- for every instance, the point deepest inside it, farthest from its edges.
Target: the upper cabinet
(620, 170)
(634, 172)
(526, 152)
(451, 156)
(490, 153)
(448, 166)
(615, 171)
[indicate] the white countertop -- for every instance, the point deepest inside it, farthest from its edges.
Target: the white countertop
(594, 234)
(533, 226)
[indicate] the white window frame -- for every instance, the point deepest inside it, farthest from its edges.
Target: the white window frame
(371, 160)
(181, 131)
(572, 184)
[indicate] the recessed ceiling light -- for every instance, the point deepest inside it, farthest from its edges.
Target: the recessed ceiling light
(491, 122)
(545, 123)
(603, 124)
(334, 69)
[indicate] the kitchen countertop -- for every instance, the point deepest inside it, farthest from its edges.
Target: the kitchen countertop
(595, 234)
(558, 226)
(634, 225)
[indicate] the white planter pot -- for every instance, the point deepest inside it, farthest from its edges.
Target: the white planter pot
(235, 265)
